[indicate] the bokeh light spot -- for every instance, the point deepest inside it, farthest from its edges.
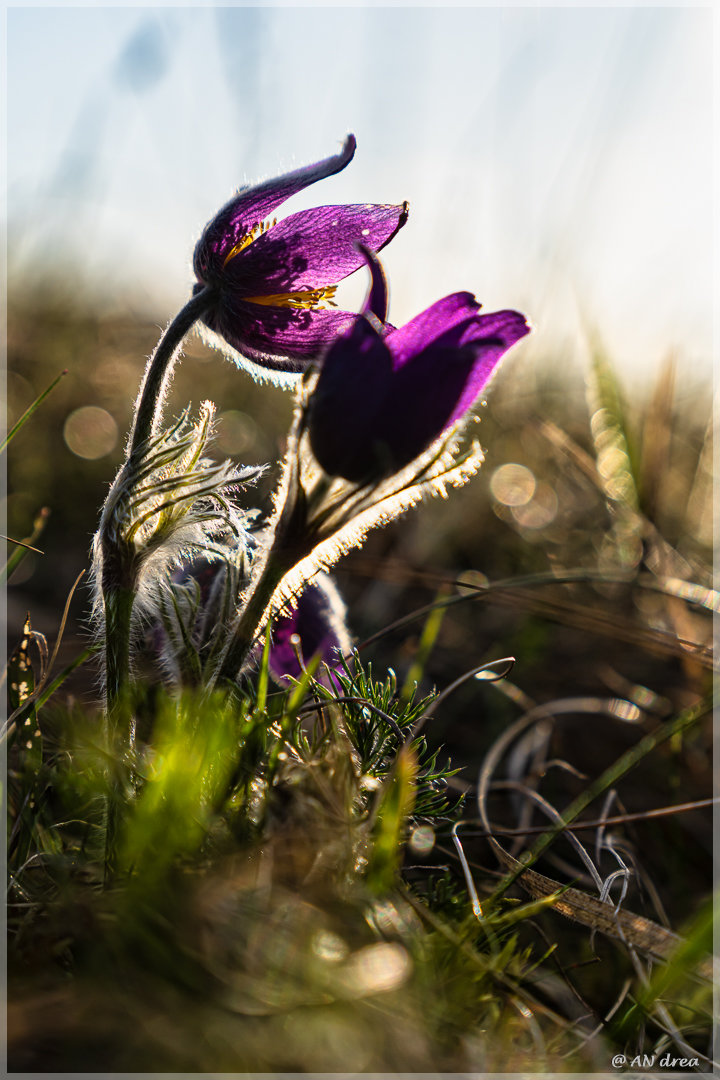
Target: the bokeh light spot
(626, 710)
(472, 580)
(539, 511)
(329, 947)
(610, 460)
(422, 840)
(377, 968)
(90, 432)
(512, 484)
(236, 432)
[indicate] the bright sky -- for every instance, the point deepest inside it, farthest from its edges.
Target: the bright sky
(556, 160)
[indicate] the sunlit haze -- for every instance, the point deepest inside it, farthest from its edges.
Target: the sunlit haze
(557, 160)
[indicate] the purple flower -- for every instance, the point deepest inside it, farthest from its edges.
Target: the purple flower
(271, 281)
(385, 394)
(316, 623)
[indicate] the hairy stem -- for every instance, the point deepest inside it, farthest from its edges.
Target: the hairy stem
(291, 539)
(120, 569)
(248, 627)
(118, 601)
(120, 723)
(154, 387)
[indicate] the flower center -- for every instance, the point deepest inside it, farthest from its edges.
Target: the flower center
(304, 298)
(307, 299)
(255, 230)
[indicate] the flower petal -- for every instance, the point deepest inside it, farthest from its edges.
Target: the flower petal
(376, 301)
(425, 393)
(443, 381)
(313, 248)
(281, 338)
(352, 391)
(252, 205)
(370, 416)
(437, 320)
(490, 336)
(319, 621)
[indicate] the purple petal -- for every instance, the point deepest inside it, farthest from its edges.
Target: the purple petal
(319, 621)
(352, 392)
(443, 316)
(370, 417)
(282, 338)
(376, 302)
(442, 382)
(490, 337)
(253, 204)
(313, 248)
(425, 396)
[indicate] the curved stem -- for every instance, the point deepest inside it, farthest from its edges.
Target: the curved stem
(249, 626)
(120, 571)
(151, 397)
(119, 574)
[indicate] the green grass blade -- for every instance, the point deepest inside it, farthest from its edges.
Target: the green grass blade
(264, 673)
(36, 704)
(396, 805)
(676, 985)
(30, 410)
(57, 682)
(430, 631)
(302, 685)
(21, 552)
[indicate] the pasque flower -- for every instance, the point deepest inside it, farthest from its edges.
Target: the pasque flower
(271, 284)
(315, 626)
(384, 395)
(206, 594)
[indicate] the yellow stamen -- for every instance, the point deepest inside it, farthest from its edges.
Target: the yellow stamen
(302, 299)
(255, 230)
(305, 298)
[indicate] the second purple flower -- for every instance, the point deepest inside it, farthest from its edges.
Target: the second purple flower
(384, 395)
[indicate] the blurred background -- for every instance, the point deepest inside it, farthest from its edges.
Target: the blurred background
(557, 160)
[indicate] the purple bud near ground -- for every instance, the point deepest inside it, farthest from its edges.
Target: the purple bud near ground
(316, 625)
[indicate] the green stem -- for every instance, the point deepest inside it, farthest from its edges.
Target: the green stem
(120, 574)
(30, 410)
(119, 570)
(291, 539)
(268, 578)
(154, 387)
(118, 600)
(120, 723)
